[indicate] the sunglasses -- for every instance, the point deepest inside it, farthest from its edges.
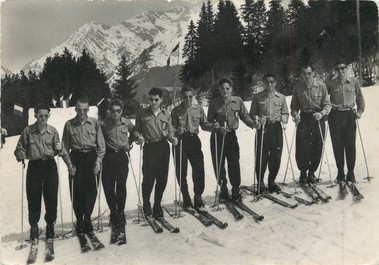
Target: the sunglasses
(43, 116)
(188, 97)
(116, 111)
(154, 99)
(340, 68)
(82, 110)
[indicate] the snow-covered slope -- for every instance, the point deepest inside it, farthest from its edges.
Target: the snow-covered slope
(155, 32)
(336, 233)
(5, 71)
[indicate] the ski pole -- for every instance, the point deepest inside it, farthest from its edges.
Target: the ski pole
(175, 184)
(72, 202)
(260, 160)
(139, 184)
(364, 153)
(140, 174)
(216, 171)
(22, 245)
(218, 167)
(255, 158)
(60, 195)
(289, 159)
(180, 172)
(135, 182)
(99, 219)
(326, 156)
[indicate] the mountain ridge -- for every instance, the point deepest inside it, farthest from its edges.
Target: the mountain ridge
(146, 40)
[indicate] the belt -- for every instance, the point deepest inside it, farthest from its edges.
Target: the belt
(272, 122)
(307, 111)
(112, 150)
(43, 158)
(154, 141)
(341, 109)
(189, 134)
(83, 150)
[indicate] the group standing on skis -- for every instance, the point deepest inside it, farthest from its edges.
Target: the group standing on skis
(97, 152)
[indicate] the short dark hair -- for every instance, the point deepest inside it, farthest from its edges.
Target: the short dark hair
(115, 102)
(42, 106)
(156, 91)
(82, 100)
(340, 61)
(225, 80)
(186, 89)
(266, 76)
(305, 66)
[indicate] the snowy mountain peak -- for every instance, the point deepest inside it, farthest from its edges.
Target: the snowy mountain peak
(146, 40)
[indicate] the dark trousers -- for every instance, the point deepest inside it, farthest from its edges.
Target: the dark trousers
(115, 173)
(85, 190)
(343, 132)
(309, 143)
(232, 153)
(42, 179)
(156, 157)
(271, 152)
(191, 150)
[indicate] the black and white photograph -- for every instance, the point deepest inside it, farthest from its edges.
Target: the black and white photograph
(225, 132)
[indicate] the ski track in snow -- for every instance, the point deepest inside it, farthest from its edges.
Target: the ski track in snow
(341, 231)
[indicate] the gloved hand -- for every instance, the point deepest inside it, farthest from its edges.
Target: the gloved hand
(174, 141)
(96, 168)
(257, 123)
(358, 115)
(180, 130)
(216, 126)
(20, 156)
(223, 130)
(57, 146)
(140, 140)
(71, 170)
(296, 119)
(262, 120)
(318, 116)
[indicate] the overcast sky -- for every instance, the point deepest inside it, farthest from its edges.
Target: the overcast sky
(29, 28)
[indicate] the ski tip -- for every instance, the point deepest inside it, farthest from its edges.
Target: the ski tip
(49, 258)
(239, 217)
(176, 230)
(224, 225)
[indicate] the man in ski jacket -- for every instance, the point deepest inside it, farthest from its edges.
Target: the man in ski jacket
(83, 149)
(186, 120)
(116, 130)
(269, 110)
(224, 112)
(345, 93)
(153, 128)
(39, 143)
(310, 106)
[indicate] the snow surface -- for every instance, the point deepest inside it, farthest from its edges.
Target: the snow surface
(338, 232)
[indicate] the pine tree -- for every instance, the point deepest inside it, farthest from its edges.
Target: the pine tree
(227, 38)
(254, 14)
(204, 40)
(276, 40)
(124, 86)
(189, 52)
(91, 83)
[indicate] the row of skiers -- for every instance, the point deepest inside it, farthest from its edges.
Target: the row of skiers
(92, 148)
